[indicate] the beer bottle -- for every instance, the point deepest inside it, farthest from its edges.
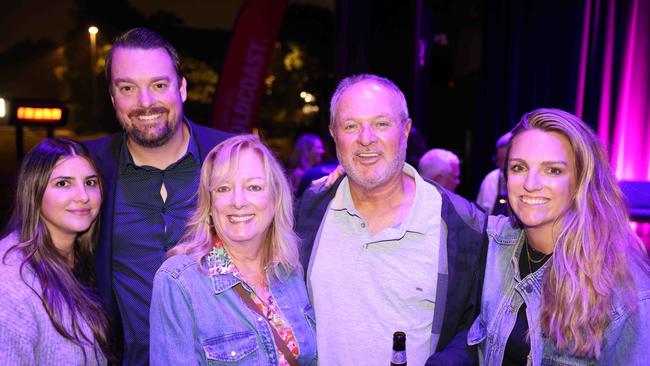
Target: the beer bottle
(398, 357)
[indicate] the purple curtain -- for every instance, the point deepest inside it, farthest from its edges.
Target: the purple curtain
(614, 84)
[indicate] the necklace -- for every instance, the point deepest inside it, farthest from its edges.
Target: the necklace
(530, 257)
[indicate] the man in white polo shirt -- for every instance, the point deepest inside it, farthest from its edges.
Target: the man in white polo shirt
(384, 249)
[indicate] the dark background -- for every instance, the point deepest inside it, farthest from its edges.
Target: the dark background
(469, 68)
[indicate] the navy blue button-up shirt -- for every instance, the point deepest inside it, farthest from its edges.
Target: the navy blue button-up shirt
(145, 227)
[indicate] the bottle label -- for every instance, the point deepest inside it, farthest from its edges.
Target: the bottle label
(398, 358)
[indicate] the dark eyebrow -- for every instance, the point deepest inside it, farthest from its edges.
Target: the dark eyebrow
(122, 80)
(71, 178)
(129, 80)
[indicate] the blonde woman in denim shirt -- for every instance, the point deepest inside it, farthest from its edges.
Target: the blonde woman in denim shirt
(239, 248)
(567, 281)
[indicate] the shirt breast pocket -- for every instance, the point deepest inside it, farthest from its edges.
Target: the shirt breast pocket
(231, 349)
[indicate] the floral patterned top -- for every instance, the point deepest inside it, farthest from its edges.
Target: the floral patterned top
(220, 263)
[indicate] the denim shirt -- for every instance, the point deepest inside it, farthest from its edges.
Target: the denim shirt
(626, 339)
(196, 316)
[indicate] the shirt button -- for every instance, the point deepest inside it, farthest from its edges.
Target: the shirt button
(163, 210)
(233, 353)
(363, 224)
(259, 318)
(529, 288)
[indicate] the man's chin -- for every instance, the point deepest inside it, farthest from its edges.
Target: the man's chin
(366, 182)
(150, 141)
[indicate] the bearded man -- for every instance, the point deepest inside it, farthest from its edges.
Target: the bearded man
(151, 174)
(384, 249)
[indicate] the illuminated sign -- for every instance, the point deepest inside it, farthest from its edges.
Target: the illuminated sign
(34, 114)
(26, 112)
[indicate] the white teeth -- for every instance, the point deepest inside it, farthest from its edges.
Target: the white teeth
(240, 218)
(368, 155)
(149, 117)
(533, 201)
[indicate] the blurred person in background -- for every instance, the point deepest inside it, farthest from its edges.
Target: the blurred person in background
(441, 166)
(307, 153)
(492, 195)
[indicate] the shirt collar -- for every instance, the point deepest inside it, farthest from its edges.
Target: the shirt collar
(221, 268)
(219, 262)
(421, 202)
(126, 160)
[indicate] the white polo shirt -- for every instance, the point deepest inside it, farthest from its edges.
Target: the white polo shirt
(365, 287)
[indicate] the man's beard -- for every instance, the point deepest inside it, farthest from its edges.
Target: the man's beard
(143, 136)
(393, 168)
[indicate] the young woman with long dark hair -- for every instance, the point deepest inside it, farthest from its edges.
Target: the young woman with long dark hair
(49, 314)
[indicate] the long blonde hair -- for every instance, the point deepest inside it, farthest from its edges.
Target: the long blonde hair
(595, 242)
(281, 241)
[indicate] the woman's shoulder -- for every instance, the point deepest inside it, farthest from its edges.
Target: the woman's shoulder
(501, 230)
(5, 245)
(10, 260)
(17, 288)
(179, 265)
(640, 271)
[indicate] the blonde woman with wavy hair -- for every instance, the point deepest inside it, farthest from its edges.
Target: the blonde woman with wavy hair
(567, 281)
(234, 285)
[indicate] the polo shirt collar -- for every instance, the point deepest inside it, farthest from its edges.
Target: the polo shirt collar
(421, 202)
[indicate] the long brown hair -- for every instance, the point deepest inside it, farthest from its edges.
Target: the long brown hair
(63, 290)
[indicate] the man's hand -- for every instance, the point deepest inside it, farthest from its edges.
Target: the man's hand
(331, 177)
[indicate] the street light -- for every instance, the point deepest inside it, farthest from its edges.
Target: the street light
(92, 32)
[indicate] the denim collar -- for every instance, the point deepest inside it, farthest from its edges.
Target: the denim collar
(504, 233)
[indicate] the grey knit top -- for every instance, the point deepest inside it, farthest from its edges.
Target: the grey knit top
(27, 336)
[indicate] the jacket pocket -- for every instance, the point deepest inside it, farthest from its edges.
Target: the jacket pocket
(477, 333)
(230, 348)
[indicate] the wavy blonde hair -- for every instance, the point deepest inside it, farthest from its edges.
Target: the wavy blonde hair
(281, 243)
(594, 244)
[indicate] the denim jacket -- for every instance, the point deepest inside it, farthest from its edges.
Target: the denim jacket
(626, 339)
(196, 316)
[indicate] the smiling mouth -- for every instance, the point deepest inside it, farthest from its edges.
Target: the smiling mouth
(236, 219)
(534, 200)
(83, 212)
(368, 155)
(148, 117)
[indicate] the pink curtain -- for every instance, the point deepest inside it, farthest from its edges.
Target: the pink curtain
(623, 32)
